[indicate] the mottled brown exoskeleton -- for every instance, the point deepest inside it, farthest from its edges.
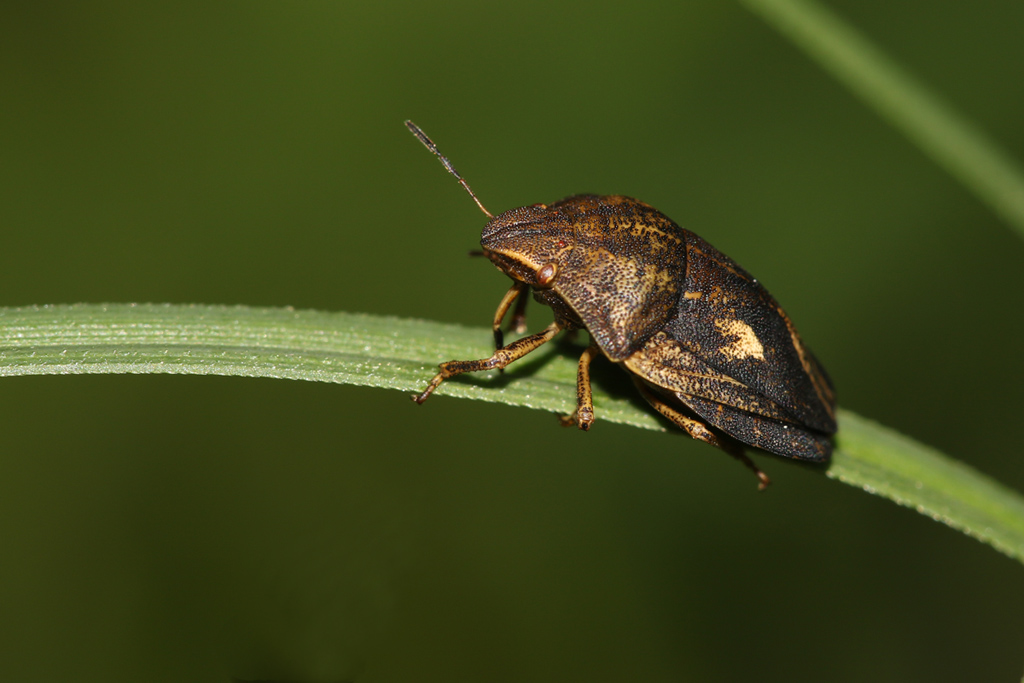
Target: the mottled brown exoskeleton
(707, 346)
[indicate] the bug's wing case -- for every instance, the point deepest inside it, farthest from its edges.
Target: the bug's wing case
(724, 402)
(736, 327)
(622, 276)
(774, 436)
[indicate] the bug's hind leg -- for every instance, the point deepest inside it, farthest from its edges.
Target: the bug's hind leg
(699, 430)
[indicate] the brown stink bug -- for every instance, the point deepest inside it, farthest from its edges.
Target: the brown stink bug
(706, 345)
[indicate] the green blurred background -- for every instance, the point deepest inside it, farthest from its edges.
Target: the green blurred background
(165, 528)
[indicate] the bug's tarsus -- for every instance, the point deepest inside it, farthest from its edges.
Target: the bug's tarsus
(736, 450)
(762, 479)
(429, 144)
(583, 416)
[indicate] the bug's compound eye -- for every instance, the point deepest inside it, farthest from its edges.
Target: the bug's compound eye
(546, 274)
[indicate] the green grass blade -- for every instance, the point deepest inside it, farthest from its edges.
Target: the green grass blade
(889, 464)
(402, 354)
(949, 139)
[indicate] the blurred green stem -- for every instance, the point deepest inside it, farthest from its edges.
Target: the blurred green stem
(942, 134)
(403, 354)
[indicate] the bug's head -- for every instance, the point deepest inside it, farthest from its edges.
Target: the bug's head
(529, 244)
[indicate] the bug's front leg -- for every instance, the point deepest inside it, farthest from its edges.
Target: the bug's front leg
(499, 359)
(518, 324)
(583, 417)
(518, 318)
(700, 431)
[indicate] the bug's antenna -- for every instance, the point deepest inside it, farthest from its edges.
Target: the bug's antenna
(429, 144)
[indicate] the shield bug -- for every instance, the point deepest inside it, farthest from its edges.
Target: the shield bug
(706, 345)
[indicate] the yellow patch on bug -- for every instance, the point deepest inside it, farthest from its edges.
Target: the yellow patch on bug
(744, 344)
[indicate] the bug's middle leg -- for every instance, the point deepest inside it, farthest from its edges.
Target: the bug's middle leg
(583, 417)
(498, 360)
(700, 431)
